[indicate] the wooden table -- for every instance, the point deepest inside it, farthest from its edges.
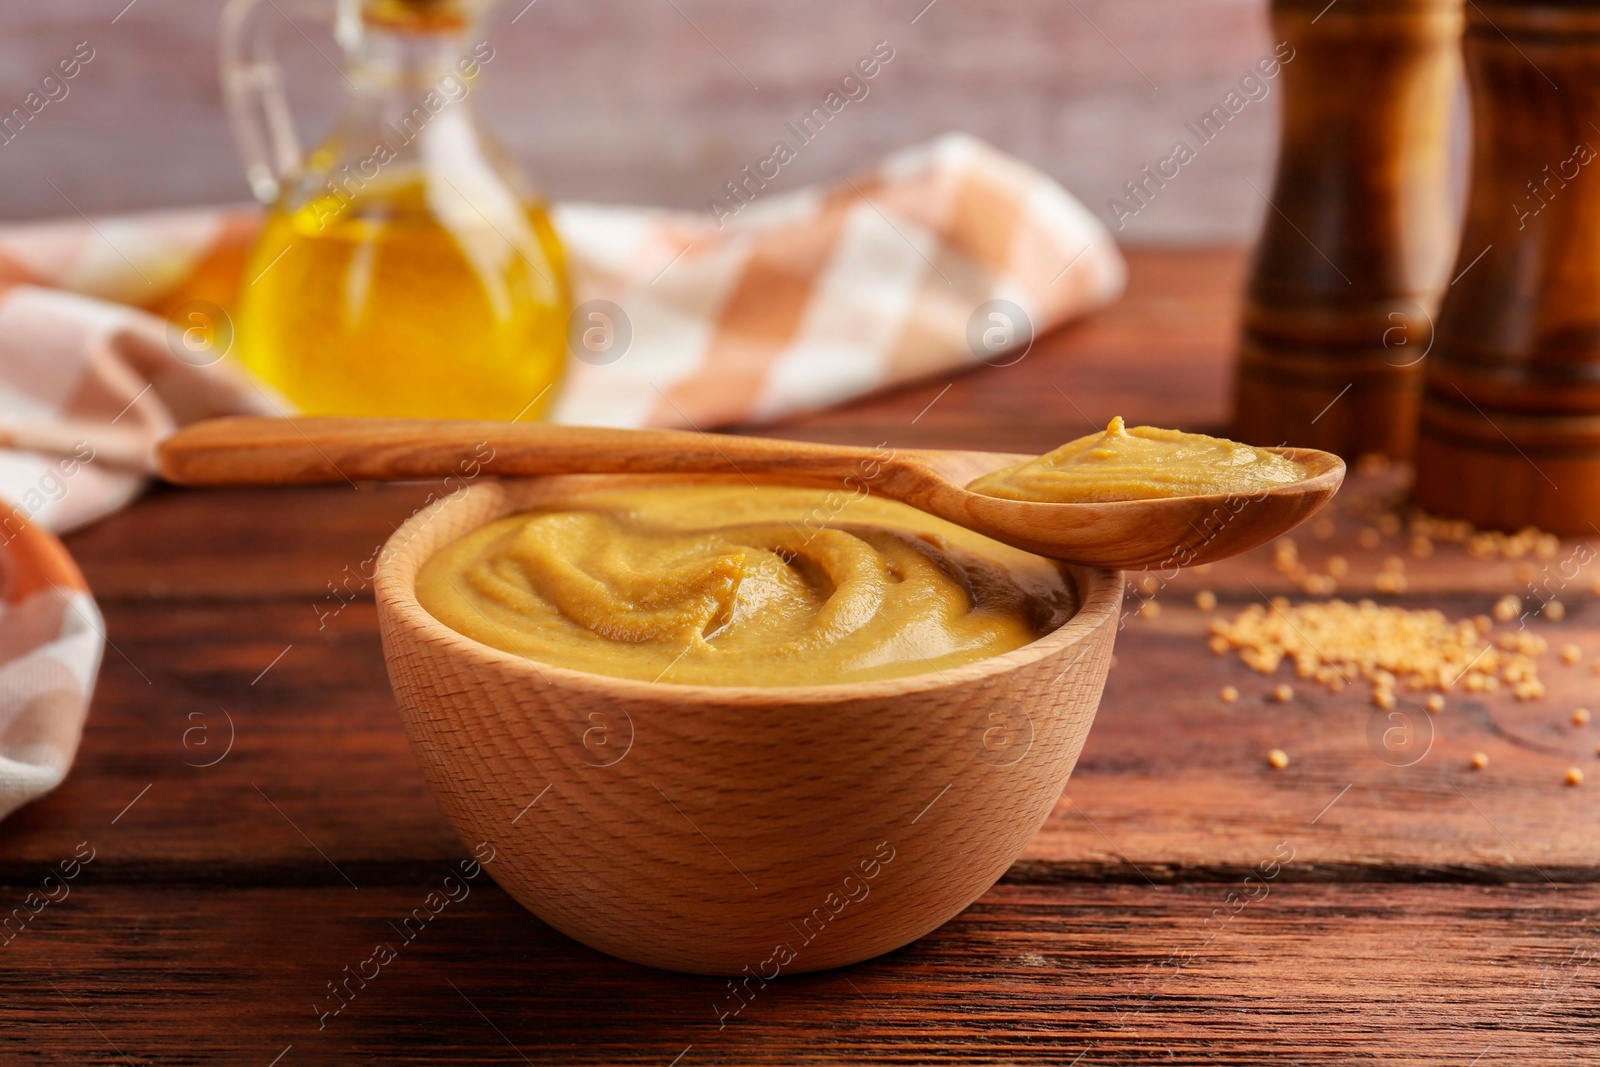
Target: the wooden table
(1420, 914)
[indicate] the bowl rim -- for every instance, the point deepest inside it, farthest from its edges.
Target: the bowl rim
(1099, 590)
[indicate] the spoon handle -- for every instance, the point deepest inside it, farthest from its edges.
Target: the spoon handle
(248, 450)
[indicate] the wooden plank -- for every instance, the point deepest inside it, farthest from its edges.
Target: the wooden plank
(219, 903)
(317, 761)
(204, 590)
(1082, 975)
(1371, 526)
(314, 545)
(1173, 783)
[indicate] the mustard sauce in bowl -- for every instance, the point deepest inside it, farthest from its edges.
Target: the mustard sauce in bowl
(716, 584)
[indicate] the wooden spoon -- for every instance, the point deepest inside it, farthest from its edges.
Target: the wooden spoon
(1166, 532)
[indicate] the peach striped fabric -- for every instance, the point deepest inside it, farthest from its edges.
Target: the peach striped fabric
(803, 299)
(51, 640)
(809, 298)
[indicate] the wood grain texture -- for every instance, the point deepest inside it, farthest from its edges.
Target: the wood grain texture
(1091, 975)
(1172, 785)
(715, 829)
(210, 919)
(175, 572)
(635, 102)
(1123, 533)
(1349, 265)
(1510, 429)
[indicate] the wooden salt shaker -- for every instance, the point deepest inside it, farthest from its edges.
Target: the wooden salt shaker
(1359, 233)
(1510, 430)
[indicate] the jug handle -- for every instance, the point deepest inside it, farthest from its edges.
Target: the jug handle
(253, 95)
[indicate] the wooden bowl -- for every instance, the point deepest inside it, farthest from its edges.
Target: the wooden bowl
(724, 830)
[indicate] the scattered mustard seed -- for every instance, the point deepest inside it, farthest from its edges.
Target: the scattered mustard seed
(1149, 610)
(1278, 759)
(1383, 699)
(1205, 600)
(1229, 694)
(1555, 611)
(1389, 582)
(1480, 760)
(1372, 463)
(1574, 776)
(1527, 541)
(1421, 546)
(1507, 608)
(1434, 703)
(1452, 531)
(1571, 654)
(1338, 566)
(1283, 694)
(1219, 644)
(1334, 642)
(1580, 716)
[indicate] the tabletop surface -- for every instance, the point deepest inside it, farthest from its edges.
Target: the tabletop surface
(256, 820)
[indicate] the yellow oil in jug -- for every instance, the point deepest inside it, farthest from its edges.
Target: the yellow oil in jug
(407, 298)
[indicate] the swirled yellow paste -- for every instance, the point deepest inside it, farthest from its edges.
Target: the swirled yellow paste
(1139, 464)
(717, 584)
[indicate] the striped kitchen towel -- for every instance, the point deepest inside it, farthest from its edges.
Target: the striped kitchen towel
(943, 256)
(51, 640)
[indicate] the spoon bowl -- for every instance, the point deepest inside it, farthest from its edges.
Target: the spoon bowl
(1180, 531)
(1123, 534)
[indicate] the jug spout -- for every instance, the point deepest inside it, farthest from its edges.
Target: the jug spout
(381, 35)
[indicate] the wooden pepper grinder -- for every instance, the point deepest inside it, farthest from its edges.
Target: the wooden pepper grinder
(1359, 233)
(1510, 431)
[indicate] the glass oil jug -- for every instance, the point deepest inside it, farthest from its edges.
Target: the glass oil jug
(405, 268)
